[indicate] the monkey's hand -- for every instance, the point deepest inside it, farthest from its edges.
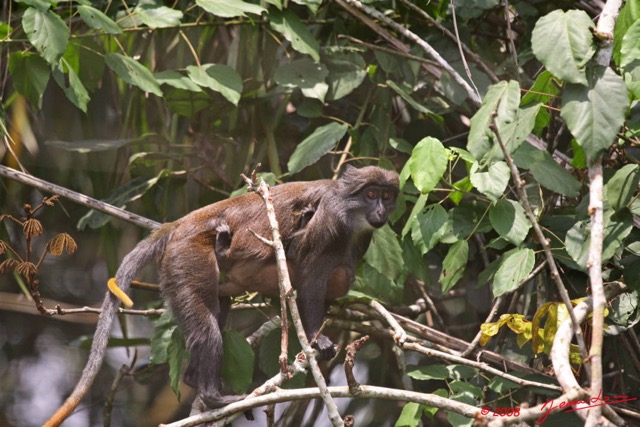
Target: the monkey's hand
(325, 347)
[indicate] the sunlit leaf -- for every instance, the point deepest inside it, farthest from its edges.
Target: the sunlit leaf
(563, 42)
(310, 77)
(508, 219)
(97, 20)
(427, 164)
(493, 182)
(512, 271)
(594, 112)
(158, 17)
(230, 8)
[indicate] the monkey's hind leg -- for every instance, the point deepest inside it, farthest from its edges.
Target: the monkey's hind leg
(189, 277)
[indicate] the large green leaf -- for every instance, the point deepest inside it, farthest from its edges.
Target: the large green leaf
(384, 254)
(158, 17)
(316, 145)
(132, 72)
(293, 29)
(616, 229)
(176, 79)
(237, 366)
(346, 73)
(453, 265)
(512, 271)
(622, 186)
(71, 85)
(98, 20)
(630, 49)
(427, 164)
(503, 99)
(546, 171)
(230, 8)
(493, 182)
(509, 220)
(563, 42)
(595, 112)
(305, 74)
(176, 356)
(220, 78)
(428, 227)
(47, 32)
(30, 75)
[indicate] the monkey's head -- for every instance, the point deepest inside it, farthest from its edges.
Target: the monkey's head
(371, 194)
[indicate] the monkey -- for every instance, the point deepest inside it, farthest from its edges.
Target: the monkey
(326, 227)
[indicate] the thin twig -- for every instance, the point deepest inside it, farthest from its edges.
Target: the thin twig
(77, 197)
(429, 50)
(287, 292)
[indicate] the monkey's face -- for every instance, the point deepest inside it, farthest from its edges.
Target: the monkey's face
(380, 202)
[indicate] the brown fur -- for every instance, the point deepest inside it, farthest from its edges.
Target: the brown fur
(326, 227)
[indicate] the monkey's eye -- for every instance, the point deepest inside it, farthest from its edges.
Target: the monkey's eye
(386, 195)
(372, 194)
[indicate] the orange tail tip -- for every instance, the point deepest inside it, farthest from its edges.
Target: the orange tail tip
(114, 289)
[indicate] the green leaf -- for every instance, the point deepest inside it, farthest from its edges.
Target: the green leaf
(346, 73)
(163, 328)
(622, 186)
(509, 220)
(71, 85)
(493, 182)
(98, 20)
(42, 5)
(546, 171)
(316, 145)
(563, 42)
(512, 271)
(132, 72)
(429, 227)
(220, 78)
(427, 164)
(404, 94)
(293, 29)
(130, 191)
(237, 366)
(595, 112)
(30, 75)
(305, 74)
(502, 98)
(384, 253)
(158, 17)
(430, 372)
(453, 265)
(230, 8)
(176, 79)
(630, 49)
(47, 32)
(270, 352)
(176, 355)
(410, 415)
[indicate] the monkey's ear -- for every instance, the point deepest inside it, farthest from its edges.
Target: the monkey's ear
(348, 170)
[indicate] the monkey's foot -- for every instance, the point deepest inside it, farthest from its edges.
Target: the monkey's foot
(325, 347)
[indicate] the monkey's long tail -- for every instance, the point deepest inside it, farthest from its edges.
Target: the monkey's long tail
(146, 251)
